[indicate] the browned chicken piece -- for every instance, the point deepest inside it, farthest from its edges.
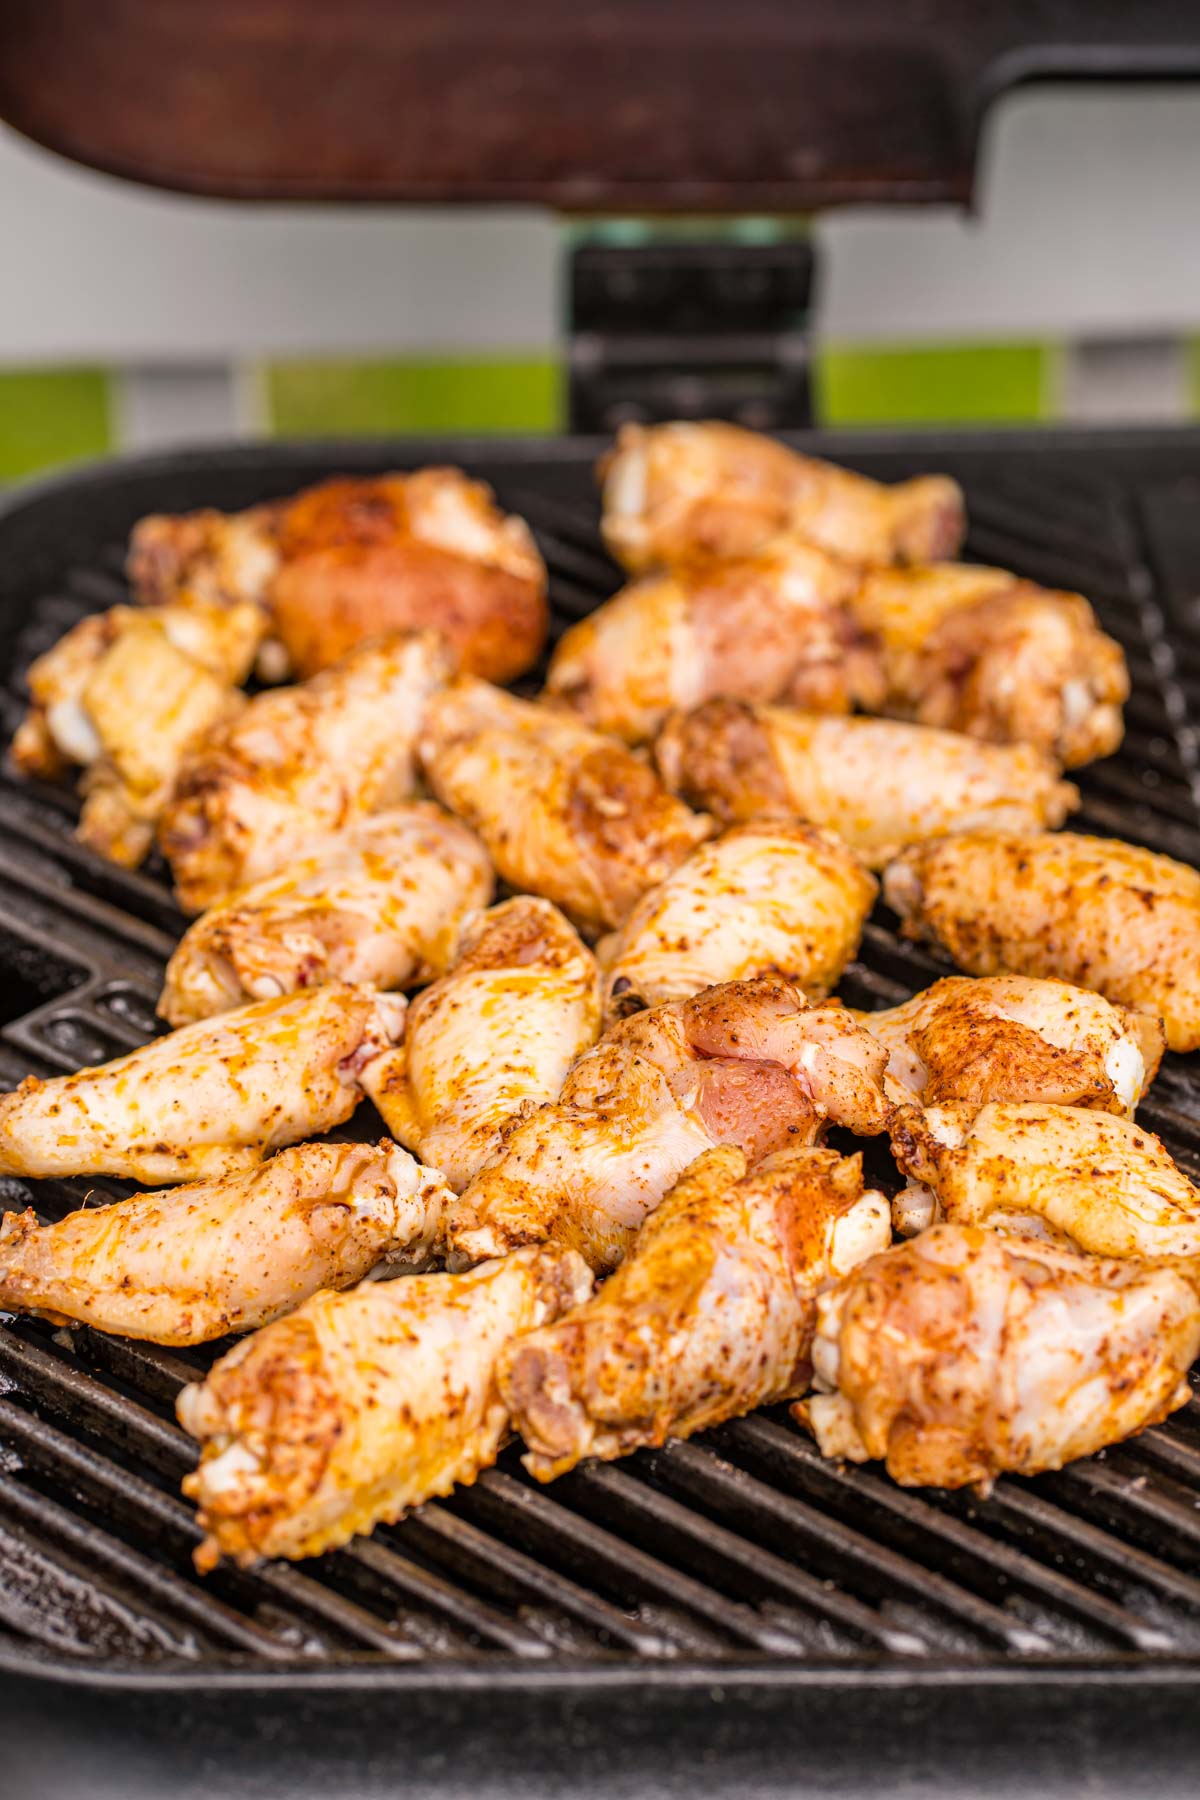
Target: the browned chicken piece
(192, 1263)
(359, 1406)
(1080, 1179)
(1095, 911)
(671, 491)
(564, 812)
(769, 626)
(780, 897)
(383, 901)
(981, 651)
(748, 1064)
(1015, 1037)
(491, 1040)
(710, 1315)
(298, 762)
(965, 1354)
(357, 556)
(880, 784)
(210, 1099)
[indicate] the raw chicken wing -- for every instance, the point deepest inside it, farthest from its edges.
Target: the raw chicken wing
(710, 1315)
(359, 1406)
(965, 1354)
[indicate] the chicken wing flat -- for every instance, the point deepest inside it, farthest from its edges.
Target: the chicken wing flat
(564, 812)
(1013, 1037)
(880, 784)
(764, 627)
(1084, 1180)
(359, 1406)
(384, 902)
(192, 1263)
(211, 1099)
(710, 1315)
(299, 762)
(671, 491)
(749, 1064)
(780, 897)
(965, 1354)
(491, 1040)
(981, 651)
(350, 558)
(1108, 915)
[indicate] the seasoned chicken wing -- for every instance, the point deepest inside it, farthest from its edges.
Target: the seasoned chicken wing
(565, 812)
(775, 897)
(965, 1354)
(1082, 1179)
(981, 651)
(211, 1099)
(1108, 915)
(748, 1064)
(491, 1040)
(711, 1313)
(764, 627)
(1013, 1037)
(673, 490)
(192, 1263)
(298, 762)
(360, 1406)
(878, 783)
(354, 557)
(384, 901)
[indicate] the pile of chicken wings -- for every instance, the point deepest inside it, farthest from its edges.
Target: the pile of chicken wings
(607, 1212)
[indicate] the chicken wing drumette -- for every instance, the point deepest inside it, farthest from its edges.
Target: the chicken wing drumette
(565, 812)
(673, 490)
(350, 558)
(298, 762)
(1085, 1180)
(491, 1040)
(1013, 1037)
(780, 897)
(192, 1263)
(359, 1406)
(965, 1354)
(880, 784)
(210, 1099)
(1108, 915)
(384, 901)
(711, 1313)
(764, 627)
(748, 1064)
(981, 651)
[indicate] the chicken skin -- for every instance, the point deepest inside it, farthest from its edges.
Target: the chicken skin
(211, 1099)
(359, 1406)
(382, 902)
(1012, 1037)
(491, 1040)
(981, 651)
(964, 1355)
(127, 695)
(879, 784)
(777, 897)
(298, 762)
(748, 1064)
(354, 557)
(1084, 1180)
(1107, 915)
(192, 1263)
(710, 1315)
(565, 813)
(764, 627)
(672, 491)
